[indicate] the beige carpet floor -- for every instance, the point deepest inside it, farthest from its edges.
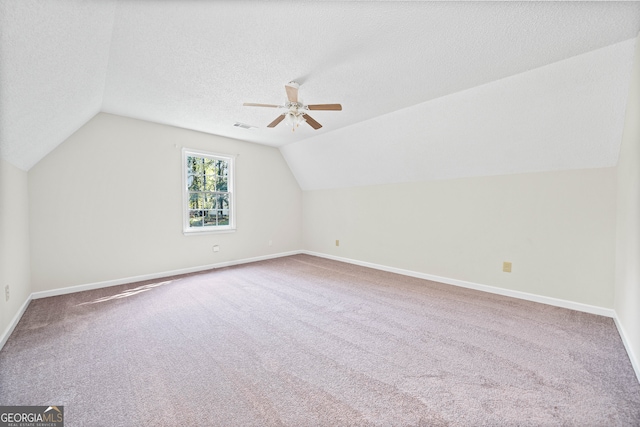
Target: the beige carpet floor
(305, 341)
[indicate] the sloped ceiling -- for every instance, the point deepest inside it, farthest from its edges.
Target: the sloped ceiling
(435, 89)
(53, 64)
(566, 115)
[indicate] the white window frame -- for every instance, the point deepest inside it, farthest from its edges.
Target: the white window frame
(231, 159)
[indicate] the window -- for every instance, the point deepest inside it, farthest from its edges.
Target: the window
(208, 192)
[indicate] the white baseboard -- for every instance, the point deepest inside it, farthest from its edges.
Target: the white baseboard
(635, 362)
(14, 322)
(134, 279)
(602, 311)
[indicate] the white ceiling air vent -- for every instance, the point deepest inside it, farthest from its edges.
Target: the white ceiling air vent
(244, 125)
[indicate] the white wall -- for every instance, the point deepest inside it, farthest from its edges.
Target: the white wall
(627, 279)
(14, 243)
(107, 204)
(557, 228)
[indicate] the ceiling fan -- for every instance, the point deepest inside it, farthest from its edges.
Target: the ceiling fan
(295, 111)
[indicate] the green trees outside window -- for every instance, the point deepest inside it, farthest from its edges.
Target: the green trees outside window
(209, 193)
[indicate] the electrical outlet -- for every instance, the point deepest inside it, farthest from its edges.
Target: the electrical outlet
(337, 242)
(506, 267)
(6, 293)
(270, 243)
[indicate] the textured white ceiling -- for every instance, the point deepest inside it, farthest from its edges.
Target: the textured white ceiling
(193, 63)
(53, 66)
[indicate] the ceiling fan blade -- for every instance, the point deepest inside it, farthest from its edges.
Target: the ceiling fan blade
(312, 122)
(292, 91)
(332, 107)
(276, 121)
(251, 104)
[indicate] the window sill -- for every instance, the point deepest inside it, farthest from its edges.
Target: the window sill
(200, 232)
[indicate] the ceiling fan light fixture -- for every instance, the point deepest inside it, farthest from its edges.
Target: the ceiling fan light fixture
(293, 119)
(290, 118)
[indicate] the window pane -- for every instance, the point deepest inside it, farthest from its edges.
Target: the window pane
(222, 218)
(223, 168)
(210, 219)
(221, 183)
(195, 218)
(210, 183)
(222, 201)
(209, 201)
(195, 165)
(195, 183)
(191, 161)
(209, 167)
(195, 201)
